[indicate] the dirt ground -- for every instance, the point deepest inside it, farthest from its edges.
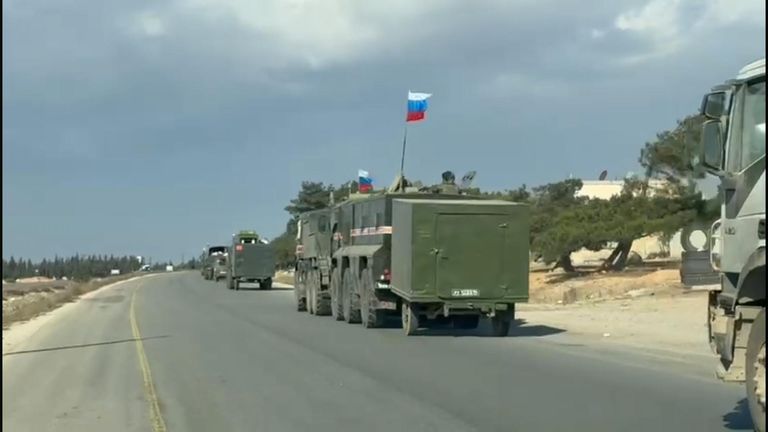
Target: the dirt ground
(25, 300)
(284, 277)
(644, 308)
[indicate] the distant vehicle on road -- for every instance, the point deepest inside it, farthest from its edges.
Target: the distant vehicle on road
(145, 268)
(251, 260)
(219, 267)
(213, 257)
(169, 268)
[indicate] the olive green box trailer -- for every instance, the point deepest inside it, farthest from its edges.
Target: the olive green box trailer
(455, 257)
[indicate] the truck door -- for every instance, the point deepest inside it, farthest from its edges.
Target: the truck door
(470, 250)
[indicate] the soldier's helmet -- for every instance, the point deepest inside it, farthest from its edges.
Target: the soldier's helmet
(449, 177)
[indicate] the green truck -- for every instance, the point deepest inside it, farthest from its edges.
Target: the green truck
(313, 268)
(425, 256)
(251, 260)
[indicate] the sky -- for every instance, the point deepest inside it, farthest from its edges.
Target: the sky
(157, 127)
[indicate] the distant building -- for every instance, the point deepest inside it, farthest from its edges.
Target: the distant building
(605, 189)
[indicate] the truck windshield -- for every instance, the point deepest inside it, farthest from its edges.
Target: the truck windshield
(753, 124)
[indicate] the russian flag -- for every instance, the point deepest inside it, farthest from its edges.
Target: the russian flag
(365, 183)
(417, 106)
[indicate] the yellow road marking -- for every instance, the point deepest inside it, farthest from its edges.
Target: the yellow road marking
(158, 424)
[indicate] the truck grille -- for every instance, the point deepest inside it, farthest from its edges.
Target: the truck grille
(761, 229)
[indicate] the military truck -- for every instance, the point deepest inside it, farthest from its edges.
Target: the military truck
(212, 260)
(251, 260)
(425, 255)
(211, 257)
(219, 267)
(733, 148)
(313, 262)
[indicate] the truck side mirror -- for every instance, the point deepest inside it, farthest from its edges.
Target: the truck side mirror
(712, 147)
(713, 105)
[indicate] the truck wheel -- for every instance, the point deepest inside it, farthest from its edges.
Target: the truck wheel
(299, 292)
(370, 317)
(500, 324)
(410, 318)
(266, 284)
(351, 300)
(309, 284)
(466, 322)
(755, 365)
(230, 283)
(336, 308)
(322, 306)
(237, 285)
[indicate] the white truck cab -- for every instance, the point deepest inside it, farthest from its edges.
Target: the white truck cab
(733, 149)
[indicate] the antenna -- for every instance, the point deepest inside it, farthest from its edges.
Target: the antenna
(466, 181)
(603, 175)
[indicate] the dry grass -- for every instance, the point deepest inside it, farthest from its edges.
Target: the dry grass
(23, 304)
(562, 288)
(284, 277)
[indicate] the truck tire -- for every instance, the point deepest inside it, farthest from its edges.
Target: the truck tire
(309, 287)
(299, 292)
(237, 284)
(230, 284)
(370, 317)
(688, 231)
(321, 305)
(466, 322)
(755, 366)
(500, 324)
(350, 298)
(336, 308)
(410, 318)
(265, 284)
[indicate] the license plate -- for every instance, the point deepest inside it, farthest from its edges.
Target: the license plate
(387, 305)
(465, 293)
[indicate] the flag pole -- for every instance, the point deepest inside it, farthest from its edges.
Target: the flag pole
(405, 140)
(402, 155)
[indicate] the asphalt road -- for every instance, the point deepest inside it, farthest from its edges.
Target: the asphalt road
(174, 352)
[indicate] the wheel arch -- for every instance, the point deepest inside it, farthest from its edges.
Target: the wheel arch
(751, 288)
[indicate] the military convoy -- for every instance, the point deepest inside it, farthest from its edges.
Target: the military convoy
(429, 255)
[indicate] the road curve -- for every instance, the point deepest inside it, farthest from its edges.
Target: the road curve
(177, 353)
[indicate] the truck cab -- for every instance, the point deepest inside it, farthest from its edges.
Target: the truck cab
(733, 149)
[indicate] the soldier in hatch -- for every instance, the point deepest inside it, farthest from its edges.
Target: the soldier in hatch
(448, 186)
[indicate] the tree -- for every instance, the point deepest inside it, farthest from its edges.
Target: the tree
(673, 155)
(311, 196)
(596, 223)
(549, 201)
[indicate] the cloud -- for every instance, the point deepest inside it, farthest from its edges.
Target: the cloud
(151, 24)
(667, 27)
(189, 105)
(597, 33)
